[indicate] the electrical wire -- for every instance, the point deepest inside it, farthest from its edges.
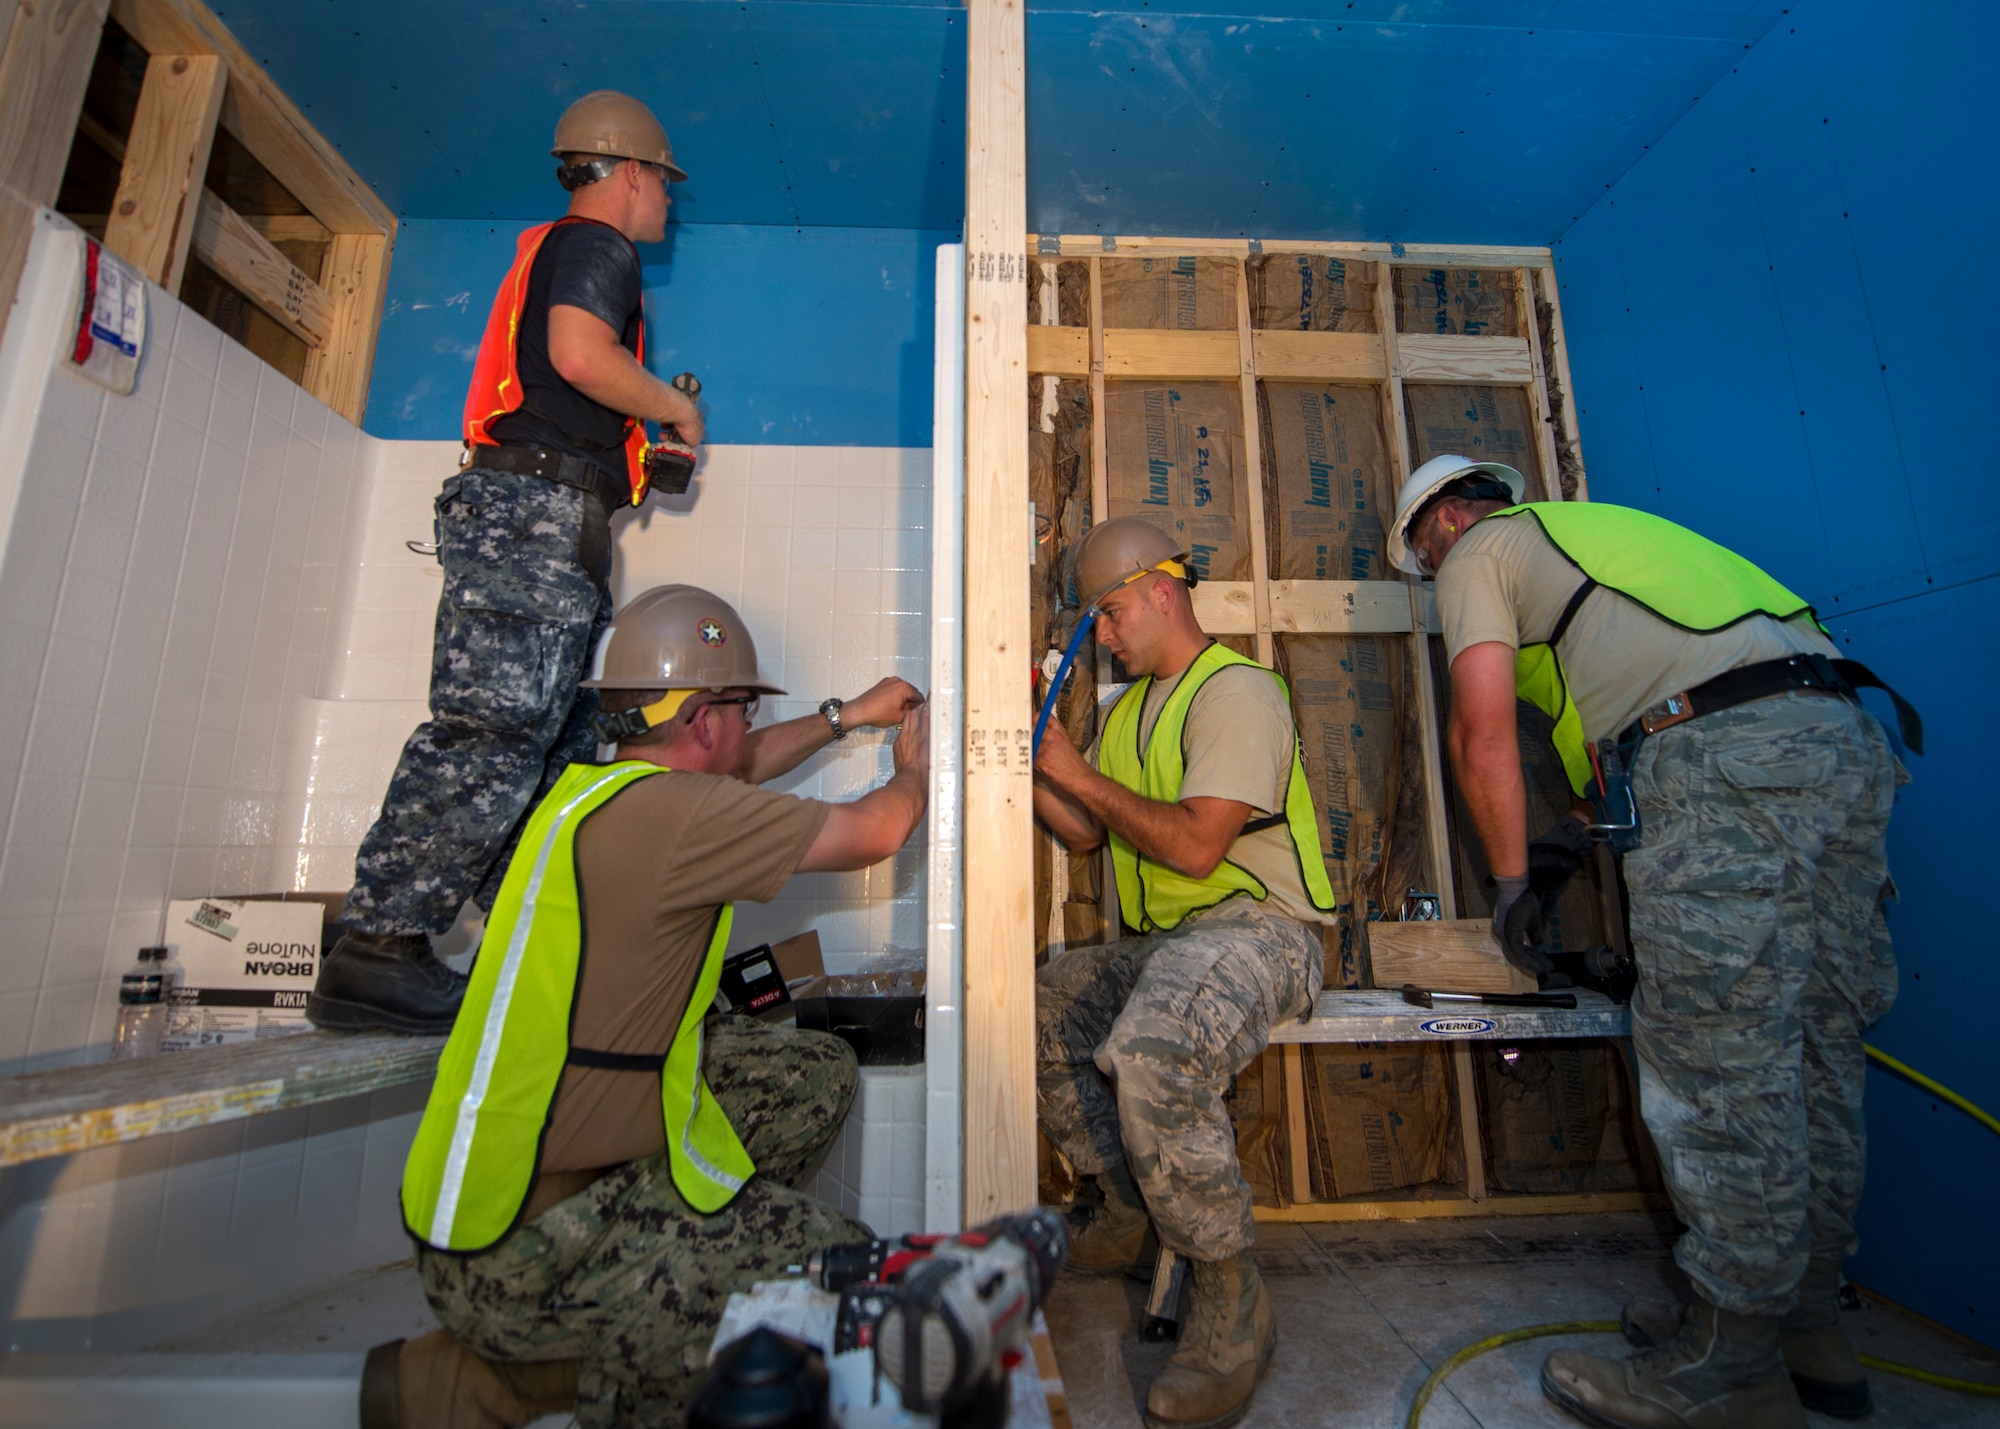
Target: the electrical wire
(1936, 1089)
(1612, 1327)
(1083, 625)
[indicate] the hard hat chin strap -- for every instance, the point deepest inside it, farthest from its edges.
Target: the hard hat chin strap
(632, 723)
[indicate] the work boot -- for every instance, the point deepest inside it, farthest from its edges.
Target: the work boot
(1721, 1371)
(435, 1382)
(1824, 1368)
(1225, 1348)
(1118, 1239)
(388, 981)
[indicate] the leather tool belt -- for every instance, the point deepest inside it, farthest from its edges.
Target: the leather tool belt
(1844, 678)
(563, 468)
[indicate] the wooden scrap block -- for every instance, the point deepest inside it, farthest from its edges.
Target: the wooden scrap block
(1454, 955)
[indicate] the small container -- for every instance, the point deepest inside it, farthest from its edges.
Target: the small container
(143, 994)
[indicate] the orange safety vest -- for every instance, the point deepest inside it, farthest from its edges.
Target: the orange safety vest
(496, 381)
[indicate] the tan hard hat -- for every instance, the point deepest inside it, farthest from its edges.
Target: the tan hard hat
(1118, 551)
(677, 637)
(607, 122)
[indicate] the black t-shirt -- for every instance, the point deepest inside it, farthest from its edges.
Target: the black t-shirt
(581, 265)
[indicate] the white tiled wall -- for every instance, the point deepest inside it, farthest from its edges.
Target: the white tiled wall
(875, 1171)
(213, 642)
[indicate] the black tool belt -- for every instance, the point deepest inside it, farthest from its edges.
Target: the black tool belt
(563, 468)
(602, 1061)
(1844, 678)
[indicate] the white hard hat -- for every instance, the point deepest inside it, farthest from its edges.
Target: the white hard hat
(1427, 481)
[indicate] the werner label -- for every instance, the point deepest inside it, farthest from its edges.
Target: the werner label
(249, 966)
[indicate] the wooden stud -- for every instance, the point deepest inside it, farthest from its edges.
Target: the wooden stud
(44, 71)
(1435, 357)
(1100, 510)
(1160, 353)
(151, 225)
(999, 858)
(289, 227)
(1087, 245)
(355, 273)
(1555, 366)
(1456, 956)
(1062, 351)
(256, 111)
(1226, 607)
(248, 263)
(1253, 471)
(1320, 356)
(1298, 1132)
(1340, 607)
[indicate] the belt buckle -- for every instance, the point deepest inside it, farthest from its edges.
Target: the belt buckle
(1673, 710)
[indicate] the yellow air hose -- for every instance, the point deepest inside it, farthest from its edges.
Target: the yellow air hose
(1611, 1327)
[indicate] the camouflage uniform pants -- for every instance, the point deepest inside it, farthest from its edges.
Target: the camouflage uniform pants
(526, 565)
(625, 1276)
(1756, 904)
(1136, 1043)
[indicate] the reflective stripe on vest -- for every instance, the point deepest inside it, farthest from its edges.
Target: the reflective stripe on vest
(1683, 578)
(496, 377)
(475, 1156)
(1151, 895)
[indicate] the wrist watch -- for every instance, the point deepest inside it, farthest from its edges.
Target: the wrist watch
(831, 709)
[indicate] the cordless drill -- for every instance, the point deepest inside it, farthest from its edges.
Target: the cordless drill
(947, 1315)
(670, 460)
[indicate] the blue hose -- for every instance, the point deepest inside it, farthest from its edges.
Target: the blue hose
(1062, 674)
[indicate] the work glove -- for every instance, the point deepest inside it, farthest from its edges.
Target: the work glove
(1558, 853)
(1517, 924)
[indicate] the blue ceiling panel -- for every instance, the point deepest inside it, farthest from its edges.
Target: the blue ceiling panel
(1444, 120)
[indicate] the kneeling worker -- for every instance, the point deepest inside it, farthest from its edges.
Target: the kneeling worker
(1761, 790)
(601, 1163)
(1197, 782)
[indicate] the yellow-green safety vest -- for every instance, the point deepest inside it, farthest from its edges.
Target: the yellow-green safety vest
(1150, 895)
(476, 1152)
(1683, 578)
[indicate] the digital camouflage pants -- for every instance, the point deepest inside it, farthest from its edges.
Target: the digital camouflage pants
(1756, 902)
(1136, 1043)
(526, 566)
(626, 1277)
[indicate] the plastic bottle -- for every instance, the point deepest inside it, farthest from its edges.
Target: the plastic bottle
(143, 994)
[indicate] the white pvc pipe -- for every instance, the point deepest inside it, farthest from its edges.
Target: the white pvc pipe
(944, 978)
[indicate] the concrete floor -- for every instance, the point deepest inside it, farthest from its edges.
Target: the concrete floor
(1365, 1311)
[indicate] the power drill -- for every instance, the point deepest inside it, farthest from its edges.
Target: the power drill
(670, 461)
(1600, 969)
(947, 1315)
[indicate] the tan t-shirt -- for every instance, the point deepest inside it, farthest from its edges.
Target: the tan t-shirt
(1239, 739)
(656, 865)
(1505, 581)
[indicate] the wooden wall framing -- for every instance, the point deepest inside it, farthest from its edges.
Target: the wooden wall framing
(1264, 607)
(197, 78)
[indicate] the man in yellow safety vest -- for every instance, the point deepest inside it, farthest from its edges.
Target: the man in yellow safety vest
(602, 1163)
(1196, 781)
(1704, 717)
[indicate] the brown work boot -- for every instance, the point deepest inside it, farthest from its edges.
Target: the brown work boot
(1824, 1368)
(434, 1382)
(1722, 1371)
(1118, 1239)
(1224, 1350)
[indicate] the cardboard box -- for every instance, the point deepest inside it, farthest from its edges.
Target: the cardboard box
(248, 965)
(879, 1015)
(1176, 460)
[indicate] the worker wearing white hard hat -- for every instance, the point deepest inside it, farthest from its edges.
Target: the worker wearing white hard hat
(1714, 738)
(555, 441)
(602, 1163)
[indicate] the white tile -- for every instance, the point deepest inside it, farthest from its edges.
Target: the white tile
(190, 391)
(127, 426)
(62, 1020)
(74, 404)
(197, 342)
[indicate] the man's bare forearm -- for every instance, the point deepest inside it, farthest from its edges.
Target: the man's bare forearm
(1077, 828)
(778, 749)
(614, 378)
(1164, 833)
(1488, 766)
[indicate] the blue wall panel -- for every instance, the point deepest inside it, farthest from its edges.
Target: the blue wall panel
(1774, 339)
(820, 337)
